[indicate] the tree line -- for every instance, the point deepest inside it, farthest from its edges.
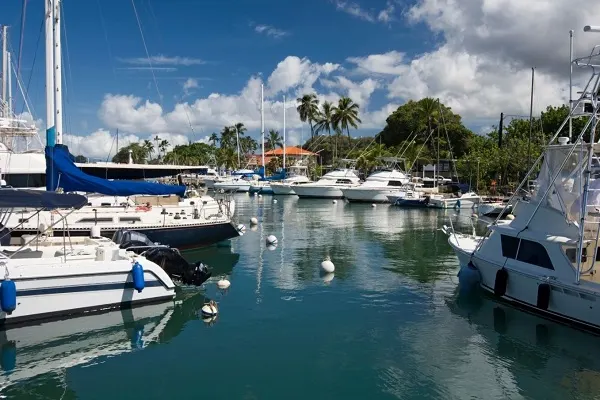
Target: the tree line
(420, 132)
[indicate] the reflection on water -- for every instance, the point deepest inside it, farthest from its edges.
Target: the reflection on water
(387, 323)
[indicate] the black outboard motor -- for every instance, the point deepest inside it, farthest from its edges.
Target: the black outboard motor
(168, 258)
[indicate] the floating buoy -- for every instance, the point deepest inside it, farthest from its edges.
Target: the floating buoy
(223, 283)
(373, 205)
(256, 193)
(241, 228)
(210, 308)
(260, 195)
(271, 239)
(137, 273)
(327, 265)
(274, 200)
(253, 221)
(8, 296)
(334, 201)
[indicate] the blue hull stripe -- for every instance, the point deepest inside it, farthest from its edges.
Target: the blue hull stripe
(82, 288)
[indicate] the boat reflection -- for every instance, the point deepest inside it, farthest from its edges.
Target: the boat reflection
(32, 355)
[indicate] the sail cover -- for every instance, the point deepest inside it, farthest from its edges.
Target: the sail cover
(61, 172)
(39, 199)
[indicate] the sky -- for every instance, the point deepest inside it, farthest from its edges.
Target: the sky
(198, 65)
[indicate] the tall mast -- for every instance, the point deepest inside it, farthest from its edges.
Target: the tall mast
(570, 84)
(531, 120)
(57, 74)
(284, 132)
(262, 123)
(50, 130)
(4, 71)
(8, 110)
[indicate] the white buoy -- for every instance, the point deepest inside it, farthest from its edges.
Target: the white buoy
(253, 221)
(210, 308)
(275, 201)
(256, 193)
(373, 205)
(95, 231)
(271, 239)
(260, 195)
(334, 202)
(223, 283)
(510, 216)
(327, 265)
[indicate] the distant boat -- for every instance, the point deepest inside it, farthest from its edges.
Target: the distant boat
(329, 186)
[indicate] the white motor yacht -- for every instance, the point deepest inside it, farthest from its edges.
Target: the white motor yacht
(329, 186)
(378, 186)
(298, 176)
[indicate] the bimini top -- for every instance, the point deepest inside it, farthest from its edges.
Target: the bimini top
(62, 172)
(39, 199)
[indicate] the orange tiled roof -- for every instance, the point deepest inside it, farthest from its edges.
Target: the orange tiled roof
(290, 151)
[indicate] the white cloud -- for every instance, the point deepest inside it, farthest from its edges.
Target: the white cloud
(269, 30)
(355, 10)
(390, 63)
(163, 60)
(483, 65)
(189, 85)
(386, 15)
(295, 72)
(360, 92)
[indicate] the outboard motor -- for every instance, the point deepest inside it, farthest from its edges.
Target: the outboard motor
(169, 259)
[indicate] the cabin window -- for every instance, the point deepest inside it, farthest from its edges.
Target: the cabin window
(343, 181)
(572, 254)
(395, 183)
(528, 251)
(510, 245)
(534, 253)
(129, 219)
(94, 220)
(105, 204)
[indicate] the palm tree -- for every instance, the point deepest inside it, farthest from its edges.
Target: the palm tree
(428, 111)
(345, 115)
(162, 147)
(148, 148)
(308, 108)
(157, 146)
(273, 140)
(214, 139)
(227, 137)
(324, 121)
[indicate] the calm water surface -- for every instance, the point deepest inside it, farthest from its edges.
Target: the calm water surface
(388, 324)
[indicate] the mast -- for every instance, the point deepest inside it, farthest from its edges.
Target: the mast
(57, 74)
(262, 123)
(237, 141)
(4, 69)
(50, 130)
(531, 120)
(284, 132)
(570, 84)
(8, 110)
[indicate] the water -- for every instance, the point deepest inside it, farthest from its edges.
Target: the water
(387, 325)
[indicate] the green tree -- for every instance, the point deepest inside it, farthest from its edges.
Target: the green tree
(273, 140)
(190, 154)
(248, 145)
(345, 115)
(324, 120)
(214, 139)
(163, 146)
(308, 109)
(148, 147)
(80, 159)
(139, 153)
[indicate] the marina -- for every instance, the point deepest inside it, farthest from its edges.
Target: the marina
(407, 244)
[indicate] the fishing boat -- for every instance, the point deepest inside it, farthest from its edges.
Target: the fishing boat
(298, 176)
(410, 198)
(384, 181)
(469, 200)
(545, 258)
(329, 186)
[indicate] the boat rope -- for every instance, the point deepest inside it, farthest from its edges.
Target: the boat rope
(103, 23)
(146, 49)
(22, 34)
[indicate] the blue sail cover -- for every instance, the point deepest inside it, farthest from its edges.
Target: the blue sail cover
(277, 177)
(62, 172)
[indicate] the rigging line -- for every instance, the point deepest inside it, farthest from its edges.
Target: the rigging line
(147, 53)
(103, 23)
(37, 46)
(21, 35)
(64, 73)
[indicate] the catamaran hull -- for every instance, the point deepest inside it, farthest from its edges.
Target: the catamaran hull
(59, 290)
(184, 237)
(568, 303)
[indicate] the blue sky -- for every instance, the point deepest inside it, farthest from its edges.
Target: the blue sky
(220, 46)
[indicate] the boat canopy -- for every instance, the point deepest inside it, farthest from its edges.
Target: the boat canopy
(61, 172)
(39, 199)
